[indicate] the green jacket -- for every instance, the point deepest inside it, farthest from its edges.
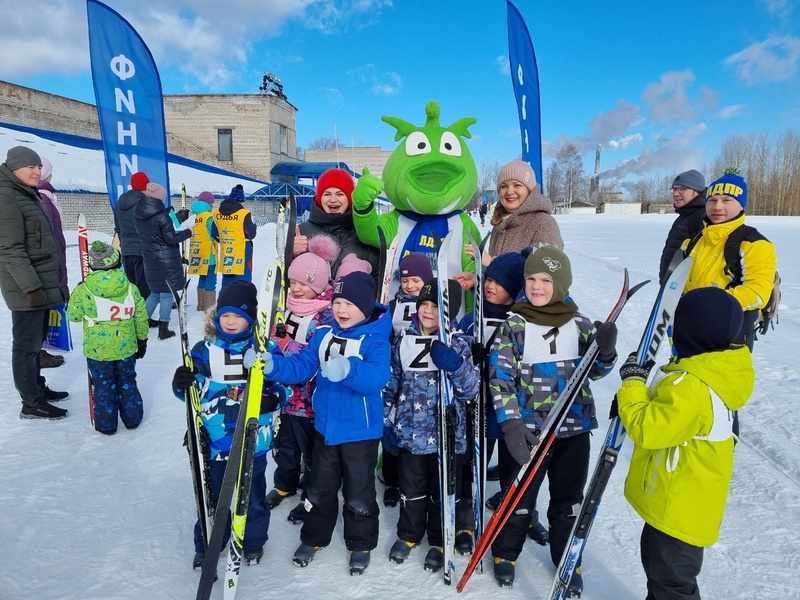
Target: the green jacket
(677, 482)
(114, 335)
(28, 251)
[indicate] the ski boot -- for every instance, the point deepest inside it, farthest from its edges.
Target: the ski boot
(575, 588)
(297, 514)
(304, 555)
(197, 561)
(253, 554)
(493, 473)
(400, 551)
(276, 496)
(359, 561)
(492, 502)
(538, 533)
(391, 496)
(434, 559)
(504, 571)
(464, 545)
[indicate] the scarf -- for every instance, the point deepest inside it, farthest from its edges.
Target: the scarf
(552, 315)
(303, 307)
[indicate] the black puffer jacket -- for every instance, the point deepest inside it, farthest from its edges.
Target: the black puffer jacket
(689, 222)
(125, 222)
(340, 227)
(28, 251)
(160, 242)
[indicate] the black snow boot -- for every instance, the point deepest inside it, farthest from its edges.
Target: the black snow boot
(400, 551)
(42, 410)
(253, 554)
(434, 559)
(304, 555)
(464, 544)
(538, 533)
(359, 561)
(197, 561)
(504, 571)
(152, 323)
(297, 514)
(164, 332)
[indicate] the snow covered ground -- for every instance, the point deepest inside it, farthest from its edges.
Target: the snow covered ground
(92, 517)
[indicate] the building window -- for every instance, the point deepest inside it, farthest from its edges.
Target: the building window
(284, 140)
(225, 143)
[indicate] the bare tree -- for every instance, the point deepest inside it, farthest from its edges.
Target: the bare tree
(324, 143)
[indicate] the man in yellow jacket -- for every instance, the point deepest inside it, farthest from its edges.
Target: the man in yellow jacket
(682, 460)
(725, 207)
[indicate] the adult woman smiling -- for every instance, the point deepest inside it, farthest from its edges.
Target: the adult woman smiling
(523, 217)
(332, 215)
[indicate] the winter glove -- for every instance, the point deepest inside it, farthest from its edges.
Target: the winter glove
(631, 370)
(37, 297)
(269, 363)
(605, 334)
(337, 368)
(182, 214)
(444, 357)
(141, 348)
(367, 189)
(614, 410)
(479, 353)
(519, 439)
(249, 358)
(272, 398)
(183, 378)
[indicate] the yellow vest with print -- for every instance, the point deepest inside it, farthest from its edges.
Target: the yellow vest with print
(201, 245)
(232, 242)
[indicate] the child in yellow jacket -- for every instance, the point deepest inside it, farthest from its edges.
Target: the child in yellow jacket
(682, 460)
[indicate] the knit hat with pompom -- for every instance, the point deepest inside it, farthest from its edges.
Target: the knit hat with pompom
(313, 268)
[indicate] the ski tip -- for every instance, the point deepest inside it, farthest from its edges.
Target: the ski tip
(637, 287)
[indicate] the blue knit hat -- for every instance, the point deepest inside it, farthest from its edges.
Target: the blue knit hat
(239, 297)
(729, 185)
(237, 193)
(706, 320)
(356, 287)
(508, 271)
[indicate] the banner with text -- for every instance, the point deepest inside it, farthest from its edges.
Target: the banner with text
(525, 79)
(130, 107)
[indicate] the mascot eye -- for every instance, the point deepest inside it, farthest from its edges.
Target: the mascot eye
(450, 144)
(417, 143)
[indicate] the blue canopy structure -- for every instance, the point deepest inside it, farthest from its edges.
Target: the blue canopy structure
(304, 194)
(295, 171)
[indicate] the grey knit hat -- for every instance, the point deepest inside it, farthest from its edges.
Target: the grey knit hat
(103, 256)
(551, 260)
(518, 170)
(693, 180)
(21, 156)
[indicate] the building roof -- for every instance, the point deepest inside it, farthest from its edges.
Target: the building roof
(309, 170)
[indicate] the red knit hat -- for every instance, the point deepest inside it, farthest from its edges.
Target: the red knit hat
(139, 181)
(338, 178)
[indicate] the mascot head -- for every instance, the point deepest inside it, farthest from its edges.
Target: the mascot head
(432, 171)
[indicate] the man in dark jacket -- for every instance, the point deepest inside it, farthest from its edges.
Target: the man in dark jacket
(688, 197)
(125, 228)
(29, 278)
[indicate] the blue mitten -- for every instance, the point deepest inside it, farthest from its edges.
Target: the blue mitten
(444, 357)
(336, 368)
(269, 363)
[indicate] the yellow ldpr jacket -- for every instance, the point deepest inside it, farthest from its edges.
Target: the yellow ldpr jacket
(677, 482)
(758, 265)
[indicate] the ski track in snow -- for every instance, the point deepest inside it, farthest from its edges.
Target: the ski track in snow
(95, 517)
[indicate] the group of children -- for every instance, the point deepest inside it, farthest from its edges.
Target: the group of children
(358, 374)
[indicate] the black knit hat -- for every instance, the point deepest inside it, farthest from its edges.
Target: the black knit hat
(239, 297)
(356, 287)
(430, 291)
(706, 320)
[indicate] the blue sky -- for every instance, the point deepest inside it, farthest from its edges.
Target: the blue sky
(659, 84)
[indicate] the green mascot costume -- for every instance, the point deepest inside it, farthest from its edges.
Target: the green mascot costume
(428, 179)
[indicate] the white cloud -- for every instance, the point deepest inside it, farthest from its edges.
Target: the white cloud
(379, 83)
(503, 64)
(624, 142)
(779, 8)
(734, 110)
(605, 127)
(774, 59)
(668, 97)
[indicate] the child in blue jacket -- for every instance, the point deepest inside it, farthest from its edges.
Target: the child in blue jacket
(350, 359)
(221, 363)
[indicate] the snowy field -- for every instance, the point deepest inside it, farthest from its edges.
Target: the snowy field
(95, 517)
